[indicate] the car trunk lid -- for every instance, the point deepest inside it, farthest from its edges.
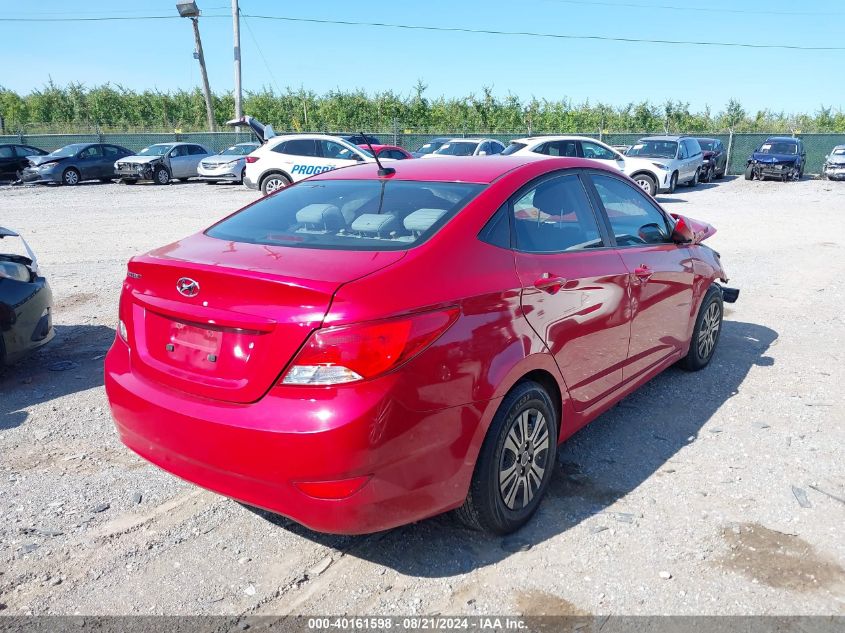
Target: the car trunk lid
(222, 319)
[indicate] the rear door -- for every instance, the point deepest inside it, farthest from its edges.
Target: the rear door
(661, 273)
(574, 288)
(8, 161)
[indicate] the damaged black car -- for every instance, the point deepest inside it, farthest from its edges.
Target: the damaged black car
(26, 301)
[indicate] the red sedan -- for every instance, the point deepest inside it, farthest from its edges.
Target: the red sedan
(368, 348)
(389, 151)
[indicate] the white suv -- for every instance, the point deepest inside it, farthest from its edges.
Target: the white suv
(678, 159)
(643, 172)
(283, 160)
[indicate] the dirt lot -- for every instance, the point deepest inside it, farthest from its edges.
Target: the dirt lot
(697, 475)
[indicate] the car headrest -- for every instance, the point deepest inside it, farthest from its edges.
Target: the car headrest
(324, 215)
(422, 219)
(548, 199)
(374, 222)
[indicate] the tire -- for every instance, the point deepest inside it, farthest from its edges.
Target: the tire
(673, 182)
(272, 183)
(721, 174)
(705, 334)
(70, 177)
(749, 173)
(646, 183)
(161, 176)
(499, 506)
(711, 174)
(243, 175)
(694, 182)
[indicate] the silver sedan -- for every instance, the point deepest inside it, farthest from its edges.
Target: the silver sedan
(228, 165)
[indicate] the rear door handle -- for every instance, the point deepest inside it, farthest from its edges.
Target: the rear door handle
(549, 283)
(643, 273)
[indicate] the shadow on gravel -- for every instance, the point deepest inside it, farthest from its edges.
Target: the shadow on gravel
(71, 362)
(597, 468)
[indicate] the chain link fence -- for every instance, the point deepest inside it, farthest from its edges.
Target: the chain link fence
(740, 146)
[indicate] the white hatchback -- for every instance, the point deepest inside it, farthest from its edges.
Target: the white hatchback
(283, 160)
(645, 173)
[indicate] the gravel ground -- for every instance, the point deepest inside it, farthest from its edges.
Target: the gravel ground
(701, 493)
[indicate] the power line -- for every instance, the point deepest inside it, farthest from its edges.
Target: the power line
(455, 29)
(562, 36)
(669, 7)
(261, 53)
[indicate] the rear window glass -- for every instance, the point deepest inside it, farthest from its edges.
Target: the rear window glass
(513, 148)
(349, 214)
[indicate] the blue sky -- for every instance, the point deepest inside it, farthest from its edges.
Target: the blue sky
(158, 54)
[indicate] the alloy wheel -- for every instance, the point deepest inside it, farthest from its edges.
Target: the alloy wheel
(274, 184)
(645, 185)
(709, 331)
(524, 459)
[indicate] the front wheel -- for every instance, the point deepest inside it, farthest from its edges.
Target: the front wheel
(646, 183)
(705, 334)
(515, 464)
(70, 177)
(673, 182)
(161, 176)
(749, 173)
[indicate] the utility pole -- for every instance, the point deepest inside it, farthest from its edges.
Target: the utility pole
(236, 34)
(188, 9)
(206, 90)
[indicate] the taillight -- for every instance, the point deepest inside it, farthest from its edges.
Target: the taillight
(348, 353)
(252, 159)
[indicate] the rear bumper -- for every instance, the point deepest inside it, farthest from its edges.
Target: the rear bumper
(255, 452)
(32, 327)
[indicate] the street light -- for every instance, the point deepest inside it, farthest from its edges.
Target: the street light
(189, 9)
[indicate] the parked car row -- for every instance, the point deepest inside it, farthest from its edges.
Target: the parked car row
(658, 164)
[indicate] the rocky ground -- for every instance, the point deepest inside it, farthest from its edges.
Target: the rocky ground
(720, 492)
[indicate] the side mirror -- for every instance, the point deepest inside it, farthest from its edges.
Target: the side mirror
(482, 153)
(682, 233)
(357, 157)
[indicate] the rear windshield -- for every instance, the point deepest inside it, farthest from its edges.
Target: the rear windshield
(513, 148)
(349, 214)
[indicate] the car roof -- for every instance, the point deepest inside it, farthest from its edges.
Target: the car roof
(469, 140)
(289, 137)
(782, 138)
(705, 138)
(664, 138)
(555, 137)
(474, 169)
(838, 147)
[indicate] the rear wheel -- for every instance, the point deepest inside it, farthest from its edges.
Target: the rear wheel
(705, 335)
(273, 183)
(161, 176)
(70, 177)
(646, 183)
(694, 181)
(515, 464)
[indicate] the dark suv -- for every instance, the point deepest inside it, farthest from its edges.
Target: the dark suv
(715, 159)
(780, 157)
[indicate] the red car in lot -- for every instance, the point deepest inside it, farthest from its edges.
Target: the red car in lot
(364, 349)
(389, 151)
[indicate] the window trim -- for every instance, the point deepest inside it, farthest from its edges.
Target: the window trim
(536, 182)
(593, 192)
